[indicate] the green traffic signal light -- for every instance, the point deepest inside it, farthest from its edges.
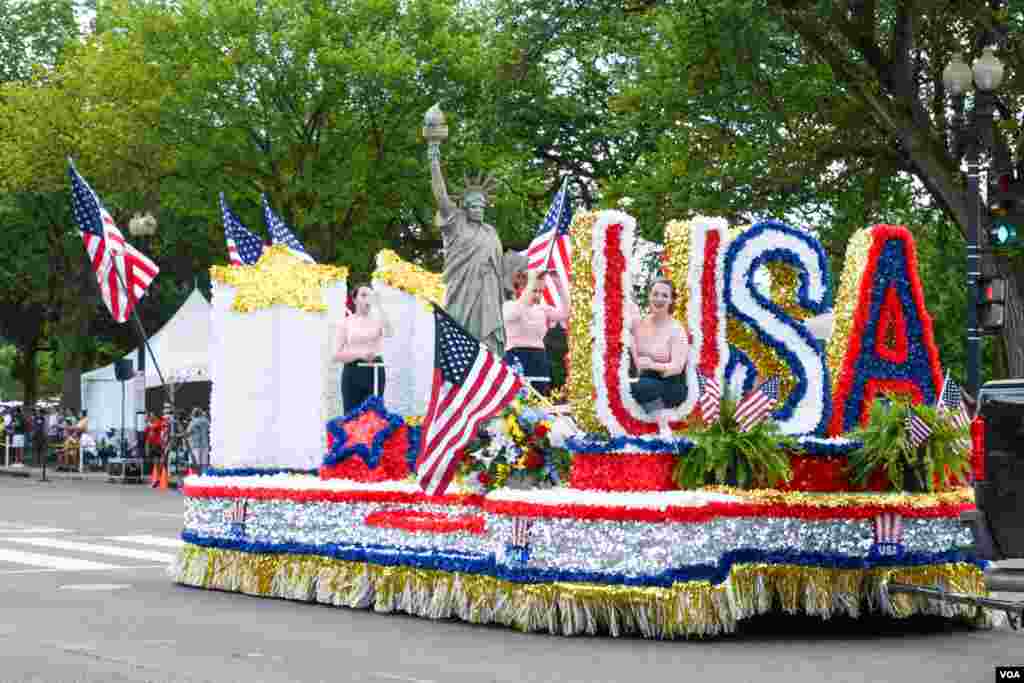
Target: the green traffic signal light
(1003, 232)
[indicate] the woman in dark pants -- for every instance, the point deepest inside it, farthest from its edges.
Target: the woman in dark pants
(359, 342)
(660, 347)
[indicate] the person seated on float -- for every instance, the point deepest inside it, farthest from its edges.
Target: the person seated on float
(660, 346)
(527, 321)
(360, 341)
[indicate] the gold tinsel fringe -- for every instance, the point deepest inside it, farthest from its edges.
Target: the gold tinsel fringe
(694, 608)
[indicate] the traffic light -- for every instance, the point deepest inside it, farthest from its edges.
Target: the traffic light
(1006, 213)
(992, 306)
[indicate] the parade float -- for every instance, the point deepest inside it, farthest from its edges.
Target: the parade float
(571, 519)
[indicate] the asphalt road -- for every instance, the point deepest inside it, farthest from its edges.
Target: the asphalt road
(86, 597)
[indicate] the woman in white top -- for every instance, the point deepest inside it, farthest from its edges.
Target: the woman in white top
(660, 347)
(527, 321)
(360, 339)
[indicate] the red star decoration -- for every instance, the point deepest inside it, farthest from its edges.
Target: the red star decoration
(362, 430)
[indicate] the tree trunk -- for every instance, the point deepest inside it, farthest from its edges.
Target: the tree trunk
(71, 386)
(28, 372)
(1013, 329)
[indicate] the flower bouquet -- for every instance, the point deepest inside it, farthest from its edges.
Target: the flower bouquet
(523, 447)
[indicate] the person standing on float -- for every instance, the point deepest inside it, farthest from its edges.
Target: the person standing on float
(360, 340)
(473, 261)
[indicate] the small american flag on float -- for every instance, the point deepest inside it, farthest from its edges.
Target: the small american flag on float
(521, 532)
(757, 405)
(888, 528)
(710, 397)
(917, 429)
(952, 401)
(244, 248)
(471, 384)
(280, 233)
(236, 511)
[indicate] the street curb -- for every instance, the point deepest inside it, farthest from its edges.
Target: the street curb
(16, 473)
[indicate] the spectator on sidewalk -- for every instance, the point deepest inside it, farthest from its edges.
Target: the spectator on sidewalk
(87, 449)
(18, 437)
(156, 428)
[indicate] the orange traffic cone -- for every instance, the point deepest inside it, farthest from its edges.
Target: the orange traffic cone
(163, 477)
(154, 475)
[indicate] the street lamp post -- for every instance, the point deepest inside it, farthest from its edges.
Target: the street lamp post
(139, 226)
(973, 136)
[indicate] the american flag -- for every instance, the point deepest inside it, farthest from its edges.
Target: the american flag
(888, 528)
(710, 398)
(757, 405)
(543, 256)
(951, 401)
(471, 384)
(521, 531)
(917, 429)
(123, 272)
(281, 234)
(244, 248)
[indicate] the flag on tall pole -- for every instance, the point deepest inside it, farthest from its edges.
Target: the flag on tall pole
(123, 272)
(757, 405)
(280, 233)
(710, 398)
(551, 249)
(244, 248)
(470, 385)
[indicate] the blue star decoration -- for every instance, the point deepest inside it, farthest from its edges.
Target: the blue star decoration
(362, 432)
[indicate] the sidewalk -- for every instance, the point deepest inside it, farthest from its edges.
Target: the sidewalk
(33, 472)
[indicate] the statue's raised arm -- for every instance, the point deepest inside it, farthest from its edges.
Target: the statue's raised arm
(436, 131)
(473, 265)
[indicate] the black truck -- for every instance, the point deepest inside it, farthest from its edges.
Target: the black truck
(997, 525)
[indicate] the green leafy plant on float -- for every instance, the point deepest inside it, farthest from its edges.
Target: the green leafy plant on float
(722, 454)
(886, 447)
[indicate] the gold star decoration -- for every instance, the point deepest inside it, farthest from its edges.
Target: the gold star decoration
(408, 277)
(278, 277)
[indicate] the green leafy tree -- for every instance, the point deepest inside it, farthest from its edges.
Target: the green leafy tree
(832, 114)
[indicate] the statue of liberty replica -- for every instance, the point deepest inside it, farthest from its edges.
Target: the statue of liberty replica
(473, 264)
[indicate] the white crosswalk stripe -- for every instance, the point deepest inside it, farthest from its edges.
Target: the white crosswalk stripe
(51, 561)
(94, 548)
(30, 550)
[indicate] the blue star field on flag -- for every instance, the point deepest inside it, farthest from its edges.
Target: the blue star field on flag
(280, 233)
(244, 248)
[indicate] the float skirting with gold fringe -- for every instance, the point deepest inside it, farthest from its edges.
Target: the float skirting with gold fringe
(664, 564)
(690, 609)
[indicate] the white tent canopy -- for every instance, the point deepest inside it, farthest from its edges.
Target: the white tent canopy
(181, 348)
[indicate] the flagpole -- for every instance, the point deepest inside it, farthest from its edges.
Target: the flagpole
(558, 214)
(142, 330)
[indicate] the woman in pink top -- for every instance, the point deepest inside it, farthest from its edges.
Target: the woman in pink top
(360, 340)
(660, 348)
(527, 320)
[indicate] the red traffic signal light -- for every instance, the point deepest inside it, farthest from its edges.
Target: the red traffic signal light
(992, 303)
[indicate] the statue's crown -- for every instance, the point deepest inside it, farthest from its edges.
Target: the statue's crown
(483, 184)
